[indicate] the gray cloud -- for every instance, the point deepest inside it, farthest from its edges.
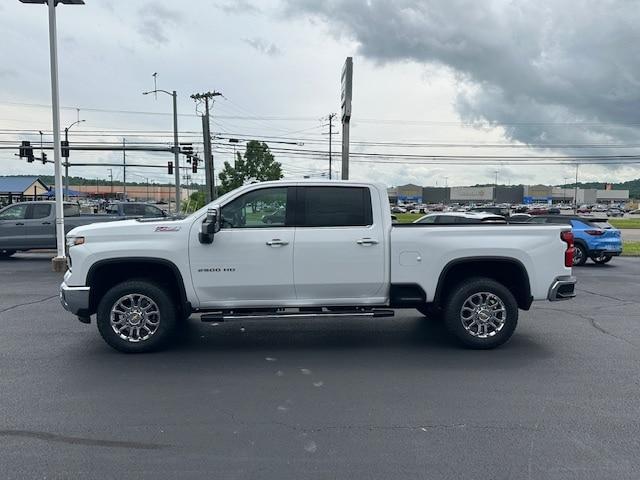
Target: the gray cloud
(262, 46)
(156, 19)
(238, 7)
(530, 61)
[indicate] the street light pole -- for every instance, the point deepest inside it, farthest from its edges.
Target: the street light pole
(59, 261)
(66, 163)
(176, 145)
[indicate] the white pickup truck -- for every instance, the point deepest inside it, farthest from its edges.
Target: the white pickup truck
(305, 248)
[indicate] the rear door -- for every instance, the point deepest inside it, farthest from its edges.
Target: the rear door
(339, 254)
(40, 230)
(12, 226)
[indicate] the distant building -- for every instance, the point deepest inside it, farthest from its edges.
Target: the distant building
(22, 188)
(409, 193)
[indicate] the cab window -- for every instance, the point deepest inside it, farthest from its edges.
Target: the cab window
(15, 212)
(40, 210)
(262, 208)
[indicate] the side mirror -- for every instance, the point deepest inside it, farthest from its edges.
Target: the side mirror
(209, 226)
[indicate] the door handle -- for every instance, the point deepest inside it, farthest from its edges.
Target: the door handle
(19, 223)
(367, 241)
(276, 242)
(46, 223)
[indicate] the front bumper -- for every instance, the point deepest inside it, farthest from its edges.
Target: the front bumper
(75, 299)
(562, 288)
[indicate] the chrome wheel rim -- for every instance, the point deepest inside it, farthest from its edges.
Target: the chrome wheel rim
(135, 317)
(483, 314)
(577, 255)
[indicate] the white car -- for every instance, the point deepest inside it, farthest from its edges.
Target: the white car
(334, 252)
(460, 217)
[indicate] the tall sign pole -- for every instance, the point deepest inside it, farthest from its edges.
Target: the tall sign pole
(345, 103)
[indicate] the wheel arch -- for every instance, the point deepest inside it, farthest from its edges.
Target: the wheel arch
(104, 274)
(508, 271)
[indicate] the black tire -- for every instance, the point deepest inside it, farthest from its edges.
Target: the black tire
(580, 255)
(430, 311)
(602, 259)
(166, 319)
(453, 314)
(6, 254)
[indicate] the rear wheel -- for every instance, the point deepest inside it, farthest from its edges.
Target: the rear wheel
(579, 255)
(137, 316)
(602, 259)
(481, 313)
(6, 253)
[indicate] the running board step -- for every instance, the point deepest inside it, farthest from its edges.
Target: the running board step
(221, 317)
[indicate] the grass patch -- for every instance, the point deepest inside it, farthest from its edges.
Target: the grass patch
(625, 222)
(631, 249)
(408, 217)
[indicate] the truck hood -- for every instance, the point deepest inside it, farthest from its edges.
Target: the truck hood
(129, 227)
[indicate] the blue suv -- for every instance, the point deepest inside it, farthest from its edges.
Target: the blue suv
(594, 239)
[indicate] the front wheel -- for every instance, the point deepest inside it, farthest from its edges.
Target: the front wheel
(137, 316)
(602, 259)
(481, 313)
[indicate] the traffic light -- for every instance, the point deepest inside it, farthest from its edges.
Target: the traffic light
(44, 158)
(194, 165)
(26, 150)
(64, 150)
(187, 149)
(170, 168)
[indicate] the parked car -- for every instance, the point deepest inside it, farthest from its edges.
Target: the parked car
(134, 210)
(398, 210)
(615, 212)
(501, 211)
(141, 283)
(519, 218)
(595, 239)
(584, 209)
(31, 225)
(277, 217)
(449, 218)
(538, 211)
(553, 211)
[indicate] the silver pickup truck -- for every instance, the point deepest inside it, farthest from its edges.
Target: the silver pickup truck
(31, 225)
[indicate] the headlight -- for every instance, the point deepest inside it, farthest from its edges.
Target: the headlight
(73, 241)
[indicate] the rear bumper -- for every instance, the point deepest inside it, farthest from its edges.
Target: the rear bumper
(75, 299)
(598, 252)
(562, 288)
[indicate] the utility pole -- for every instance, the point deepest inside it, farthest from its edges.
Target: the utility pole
(495, 188)
(564, 190)
(124, 173)
(575, 192)
(330, 125)
(111, 180)
(346, 80)
(210, 179)
(147, 189)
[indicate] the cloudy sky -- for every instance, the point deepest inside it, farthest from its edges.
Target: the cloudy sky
(544, 78)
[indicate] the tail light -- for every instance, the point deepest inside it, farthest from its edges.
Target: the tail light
(567, 237)
(595, 232)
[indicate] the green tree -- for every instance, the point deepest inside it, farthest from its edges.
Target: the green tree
(257, 164)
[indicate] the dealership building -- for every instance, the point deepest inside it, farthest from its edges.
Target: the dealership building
(517, 194)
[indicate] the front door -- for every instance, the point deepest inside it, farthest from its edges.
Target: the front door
(40, 229)
(12, 230)
(339, 255)
(250, 262)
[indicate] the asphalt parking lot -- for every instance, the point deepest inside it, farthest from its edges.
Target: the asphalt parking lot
(331, 398)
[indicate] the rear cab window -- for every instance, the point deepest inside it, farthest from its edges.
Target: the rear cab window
(324, 206)
(39, 210)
